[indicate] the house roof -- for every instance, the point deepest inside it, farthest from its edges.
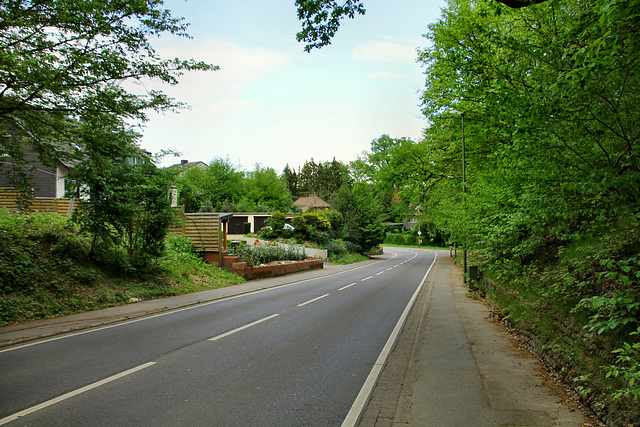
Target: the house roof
(311, 202)
(185, 164)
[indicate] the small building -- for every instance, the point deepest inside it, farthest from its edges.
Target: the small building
(46, 181)
(313, 203)
(257, 221)
(186, 164)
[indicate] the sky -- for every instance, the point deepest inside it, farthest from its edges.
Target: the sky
(272, 103)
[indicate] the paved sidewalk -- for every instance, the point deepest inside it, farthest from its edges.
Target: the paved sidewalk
(454, 365)
(14, 334)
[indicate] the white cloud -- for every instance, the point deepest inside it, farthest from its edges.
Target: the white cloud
(239, 65)
(385, 51)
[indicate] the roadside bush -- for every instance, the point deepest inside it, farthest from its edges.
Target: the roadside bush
(340, 247)
(277, 221)
(401, 238)
(180, 248)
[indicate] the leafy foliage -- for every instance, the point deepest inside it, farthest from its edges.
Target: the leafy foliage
(322, 179)
(265, 187)
(125, 203)
(47, 271)
(321, 19)
(209, 188)
(65, 60)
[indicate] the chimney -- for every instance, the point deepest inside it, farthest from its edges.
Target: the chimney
(184, 162)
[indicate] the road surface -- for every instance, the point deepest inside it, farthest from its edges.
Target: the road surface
(292, 355)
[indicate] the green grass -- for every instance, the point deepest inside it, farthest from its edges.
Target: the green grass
(47, 271)
(347, 258)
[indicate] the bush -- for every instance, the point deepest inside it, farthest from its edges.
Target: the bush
(267, 233)
(317, 220)
(301, 229)
(406, 237)
(277, 221)
(246, 227)
(340, 247)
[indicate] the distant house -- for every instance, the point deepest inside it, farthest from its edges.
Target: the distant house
(46, 181)
(312, 202)
(186, 164)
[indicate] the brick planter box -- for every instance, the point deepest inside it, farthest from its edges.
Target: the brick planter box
(264, 271)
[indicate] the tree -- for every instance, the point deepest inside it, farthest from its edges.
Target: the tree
(211, 188)
(322, 179)
(397, 168)
(66, 60)
(551, 119)
(265, 187)
(124, 198)
(321, 18)
(291, 177)
(360, 211)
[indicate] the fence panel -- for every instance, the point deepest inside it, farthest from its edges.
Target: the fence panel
(9, 196)
(203, 229)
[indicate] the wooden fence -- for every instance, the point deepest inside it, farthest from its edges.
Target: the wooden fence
(203, 229)
(9, 197)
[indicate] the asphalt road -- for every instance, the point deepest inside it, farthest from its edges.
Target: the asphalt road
(292, 355)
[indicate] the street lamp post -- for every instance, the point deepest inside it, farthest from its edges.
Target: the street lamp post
(464, 190)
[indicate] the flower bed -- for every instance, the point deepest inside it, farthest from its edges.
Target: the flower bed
(278, 268)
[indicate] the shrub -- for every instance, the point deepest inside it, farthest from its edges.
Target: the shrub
(301, 229)
(317, 220)
(340, 247)
(277, 221)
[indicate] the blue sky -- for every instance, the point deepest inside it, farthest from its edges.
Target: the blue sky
(274, 104)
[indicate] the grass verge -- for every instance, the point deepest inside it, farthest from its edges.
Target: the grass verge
(47, 271)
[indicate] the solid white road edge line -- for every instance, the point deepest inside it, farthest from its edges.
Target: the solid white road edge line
(226, 334)
(73, 393)
(365, 392)
(313, 300)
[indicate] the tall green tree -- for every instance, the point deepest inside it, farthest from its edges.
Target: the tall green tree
(321, 19)
(397, 169)
(209, 188)
(66, 60)
(361, 215)
(123, 196)
(322, 179)
(551, 116)
(291, 177)
(265, 187)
